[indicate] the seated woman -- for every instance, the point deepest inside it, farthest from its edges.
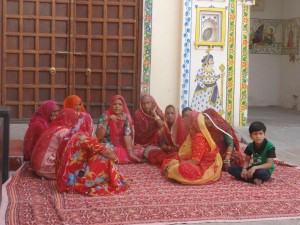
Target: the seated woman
(225, 138)
(86, 166)
(115, 130)
(74, 102)
(43, 157)
(38, 124)
(198, 161)
(148, 120)
(174, 134)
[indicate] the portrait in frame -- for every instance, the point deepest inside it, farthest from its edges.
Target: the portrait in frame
(210, 27)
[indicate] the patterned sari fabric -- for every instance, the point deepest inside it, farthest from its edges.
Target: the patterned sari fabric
(116, 130)
(82, 168)
(218, 131)
(44, 154)
(172, 137)
(147, 131)
(38, 124)
(201, 149)
(71, 101)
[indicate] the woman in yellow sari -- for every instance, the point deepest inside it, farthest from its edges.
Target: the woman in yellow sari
(198, 160)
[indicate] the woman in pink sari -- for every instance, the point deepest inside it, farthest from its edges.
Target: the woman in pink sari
(224, 136)
(38, 124)
(85, 165)
(174, 134)
(74, 102)
(198, 160)
(148, 121)
(115, 130)
(43, 157)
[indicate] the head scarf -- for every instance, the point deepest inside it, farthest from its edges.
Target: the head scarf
(71, 101)
(178, 132)
(65, 119)
(158, 110)
(118, 125)
(146, 128)
(221, 125)
(40, 118)
(198, 123)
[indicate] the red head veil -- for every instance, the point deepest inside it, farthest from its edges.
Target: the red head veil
(117, 127)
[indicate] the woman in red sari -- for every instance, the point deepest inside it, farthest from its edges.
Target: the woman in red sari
(224, 136)
(199, 160)
(174, 134)
(38, 124)
(115, 130)
(148, 121)
(74, 102)
(43, 157)
(85, 165)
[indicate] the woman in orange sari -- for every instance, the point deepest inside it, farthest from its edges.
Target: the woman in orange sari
(225, 138)
(74, 102)
(38, 124)
(198, 161)
(115, 130)
(148, 121)
(174, 134)
(86, 166)
(43, 157)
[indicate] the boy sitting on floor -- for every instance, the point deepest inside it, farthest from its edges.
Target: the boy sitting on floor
(263, 152)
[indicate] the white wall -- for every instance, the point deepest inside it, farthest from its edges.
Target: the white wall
(265, 70)
(290, 72)
(165, 61)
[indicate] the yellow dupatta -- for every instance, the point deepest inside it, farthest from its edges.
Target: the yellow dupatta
(211, 174)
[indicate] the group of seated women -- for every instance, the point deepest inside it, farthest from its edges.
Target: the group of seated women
(191, 149)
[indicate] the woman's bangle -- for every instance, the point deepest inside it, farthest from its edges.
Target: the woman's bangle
(129, 150)
(226, 161)
(157, 118)
(100, 125)
(229, 153)
(116, 161)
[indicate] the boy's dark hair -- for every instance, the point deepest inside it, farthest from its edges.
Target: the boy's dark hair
(186, 109)
(257, 126)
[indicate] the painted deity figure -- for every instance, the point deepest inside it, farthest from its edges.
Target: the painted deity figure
(206, 94)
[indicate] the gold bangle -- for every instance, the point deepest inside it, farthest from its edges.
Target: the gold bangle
(157, 118)
(229, 153)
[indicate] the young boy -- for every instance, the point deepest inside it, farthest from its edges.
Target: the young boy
(263, 152)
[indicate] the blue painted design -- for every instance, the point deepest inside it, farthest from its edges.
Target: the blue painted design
(184, 96)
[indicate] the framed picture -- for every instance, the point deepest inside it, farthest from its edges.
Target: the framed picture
(210, 27)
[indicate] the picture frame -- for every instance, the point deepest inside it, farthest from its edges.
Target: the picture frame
(210, 27)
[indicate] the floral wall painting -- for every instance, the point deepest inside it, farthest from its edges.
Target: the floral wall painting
(210, 27)
(207, 93)
(274, 36)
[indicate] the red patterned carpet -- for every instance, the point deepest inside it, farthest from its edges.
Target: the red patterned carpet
(152, 199)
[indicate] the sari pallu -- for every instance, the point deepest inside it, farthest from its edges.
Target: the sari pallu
(43, 157)
(38, 124)
(171, 137)
(147, 131)
(218, 131)
(71, 101)
(199, 148)
(83, 169)
(117, 130)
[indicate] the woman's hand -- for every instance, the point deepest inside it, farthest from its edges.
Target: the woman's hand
(133, 157)
(114, 118)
